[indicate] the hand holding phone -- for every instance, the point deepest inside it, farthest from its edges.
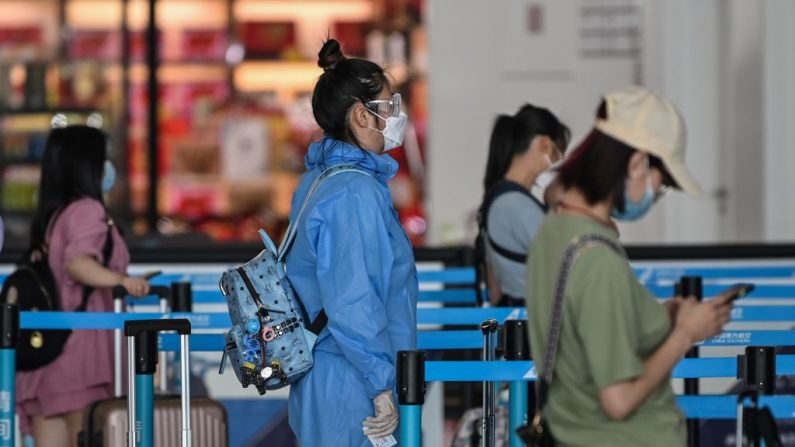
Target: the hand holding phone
(739, 290)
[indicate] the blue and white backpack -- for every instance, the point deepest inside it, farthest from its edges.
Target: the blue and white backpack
(270, 342)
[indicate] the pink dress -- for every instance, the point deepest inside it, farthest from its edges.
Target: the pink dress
(84, 372)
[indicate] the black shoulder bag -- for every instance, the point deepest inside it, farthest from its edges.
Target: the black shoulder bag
(537, 433)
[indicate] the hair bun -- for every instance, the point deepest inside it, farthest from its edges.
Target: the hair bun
(330, 55)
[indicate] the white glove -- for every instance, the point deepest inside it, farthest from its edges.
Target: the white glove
(385, 421)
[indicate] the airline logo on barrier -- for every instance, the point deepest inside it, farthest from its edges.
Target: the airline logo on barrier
(731, 338)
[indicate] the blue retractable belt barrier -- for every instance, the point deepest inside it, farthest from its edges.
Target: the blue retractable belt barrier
(672, 273)
(468, 316)
(466, 339)
(504, 371)
(762, 291)
(456, 275)
(459, 275)
(466, 275)
(109, 320)
(211, 295)
(725, 407)
(425, 316)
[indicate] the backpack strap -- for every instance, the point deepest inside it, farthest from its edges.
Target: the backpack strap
(321, 320)
(107, 252)
(499, 188)
(292, 228)
(504, 187)
(573, 252)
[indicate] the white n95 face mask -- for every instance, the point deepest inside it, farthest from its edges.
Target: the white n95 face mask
(394, 130)
(545, 179)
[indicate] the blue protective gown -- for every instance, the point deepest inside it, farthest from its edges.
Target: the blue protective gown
(352, 258)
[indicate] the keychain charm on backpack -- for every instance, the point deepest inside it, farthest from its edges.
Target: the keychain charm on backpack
(268, 334)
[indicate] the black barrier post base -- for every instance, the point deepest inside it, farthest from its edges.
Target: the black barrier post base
(411, 396)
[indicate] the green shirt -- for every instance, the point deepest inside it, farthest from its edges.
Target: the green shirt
(611, 324)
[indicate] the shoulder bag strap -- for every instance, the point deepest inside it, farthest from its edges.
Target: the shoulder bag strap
(292, 229)
(321, 320)
(573, 252)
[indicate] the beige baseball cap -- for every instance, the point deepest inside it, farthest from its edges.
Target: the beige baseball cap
(650, 123)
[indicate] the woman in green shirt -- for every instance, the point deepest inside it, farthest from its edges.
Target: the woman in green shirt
(611, 380)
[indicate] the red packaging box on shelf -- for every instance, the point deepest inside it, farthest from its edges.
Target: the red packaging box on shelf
(207, 45)
(268, 40)
(96, 44)
(352, 36)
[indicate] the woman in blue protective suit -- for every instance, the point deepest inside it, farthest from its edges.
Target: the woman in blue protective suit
(352, 259)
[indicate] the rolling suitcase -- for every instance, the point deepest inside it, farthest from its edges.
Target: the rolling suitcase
(106, 422)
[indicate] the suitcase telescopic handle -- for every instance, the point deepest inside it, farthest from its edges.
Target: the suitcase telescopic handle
(180, 325)
(134, 328)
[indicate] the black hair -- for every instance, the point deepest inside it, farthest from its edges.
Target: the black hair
(71, 169)
(499, 155)
(344, 82)
(512, 136)
(599, 167)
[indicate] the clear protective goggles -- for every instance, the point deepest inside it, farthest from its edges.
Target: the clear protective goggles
(386, 107)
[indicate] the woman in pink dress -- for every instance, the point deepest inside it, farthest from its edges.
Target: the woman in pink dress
(72, 224)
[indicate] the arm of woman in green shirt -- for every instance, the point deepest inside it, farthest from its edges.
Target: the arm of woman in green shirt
(694, 322)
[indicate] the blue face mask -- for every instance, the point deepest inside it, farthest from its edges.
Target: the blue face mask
(108, 177)
(635, 210)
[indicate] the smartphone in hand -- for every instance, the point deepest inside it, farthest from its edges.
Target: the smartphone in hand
(740, 290)
(149, 275)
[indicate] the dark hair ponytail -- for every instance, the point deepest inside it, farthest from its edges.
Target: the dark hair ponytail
(344, 82)
(499, 155)
(512, 136)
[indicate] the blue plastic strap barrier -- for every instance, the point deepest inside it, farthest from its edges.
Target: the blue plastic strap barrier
(469, 316)
(673, 273)
(466, 275)
(449, 340)
(220, 320)
(504, 371)
(458, 275)
(725, 407)
(211, 295)
(109, 320)
(205, 295)
(464, 339)
(762, 291)
(473, 339)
